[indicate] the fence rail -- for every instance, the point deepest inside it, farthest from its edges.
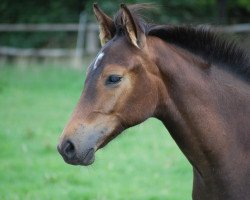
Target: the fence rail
(87, 39)
(85, 45)
(37, 27)
(10, 51)
(236, 28)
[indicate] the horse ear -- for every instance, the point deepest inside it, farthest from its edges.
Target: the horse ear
(106, 25)
(133, 31)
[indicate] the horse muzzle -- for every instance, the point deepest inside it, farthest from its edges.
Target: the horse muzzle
(80, 141)
(75, 156)
(80, 147)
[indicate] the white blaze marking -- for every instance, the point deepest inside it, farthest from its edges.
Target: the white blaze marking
(97, 60)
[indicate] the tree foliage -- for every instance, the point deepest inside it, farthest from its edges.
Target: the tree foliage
(64, 11)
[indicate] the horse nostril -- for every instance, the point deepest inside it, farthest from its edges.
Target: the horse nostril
(69, 149)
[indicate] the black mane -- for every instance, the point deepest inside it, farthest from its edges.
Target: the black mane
(210, 46)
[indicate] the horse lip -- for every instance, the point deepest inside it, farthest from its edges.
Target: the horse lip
(89, 157)
(71, 162)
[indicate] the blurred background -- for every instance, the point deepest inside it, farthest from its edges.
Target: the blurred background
(45, 48)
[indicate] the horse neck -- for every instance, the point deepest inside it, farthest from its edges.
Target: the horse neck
(195, 109)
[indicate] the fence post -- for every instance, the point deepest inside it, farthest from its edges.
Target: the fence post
(81, 35)
(80, 40)
(92, 41)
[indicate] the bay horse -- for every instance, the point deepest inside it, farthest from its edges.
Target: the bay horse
(192, 79)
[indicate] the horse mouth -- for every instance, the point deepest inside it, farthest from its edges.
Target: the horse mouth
(87, 159)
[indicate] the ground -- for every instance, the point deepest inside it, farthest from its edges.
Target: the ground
(143, 163)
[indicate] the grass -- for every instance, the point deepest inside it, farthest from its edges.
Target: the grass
(143, 163)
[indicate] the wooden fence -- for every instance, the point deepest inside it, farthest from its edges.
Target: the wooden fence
(87, 38)
(87, 42)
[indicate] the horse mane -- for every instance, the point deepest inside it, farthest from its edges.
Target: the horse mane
(211, 46)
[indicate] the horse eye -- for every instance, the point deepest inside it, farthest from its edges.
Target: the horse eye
(113, 79)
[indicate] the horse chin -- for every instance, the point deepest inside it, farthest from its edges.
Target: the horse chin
(109, 137)
(106, 141)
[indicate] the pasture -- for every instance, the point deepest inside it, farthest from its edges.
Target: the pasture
(143, 163)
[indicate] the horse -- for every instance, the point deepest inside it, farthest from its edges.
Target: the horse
(191, 78)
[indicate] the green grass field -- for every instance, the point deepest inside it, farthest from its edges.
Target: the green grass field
(36, 101)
